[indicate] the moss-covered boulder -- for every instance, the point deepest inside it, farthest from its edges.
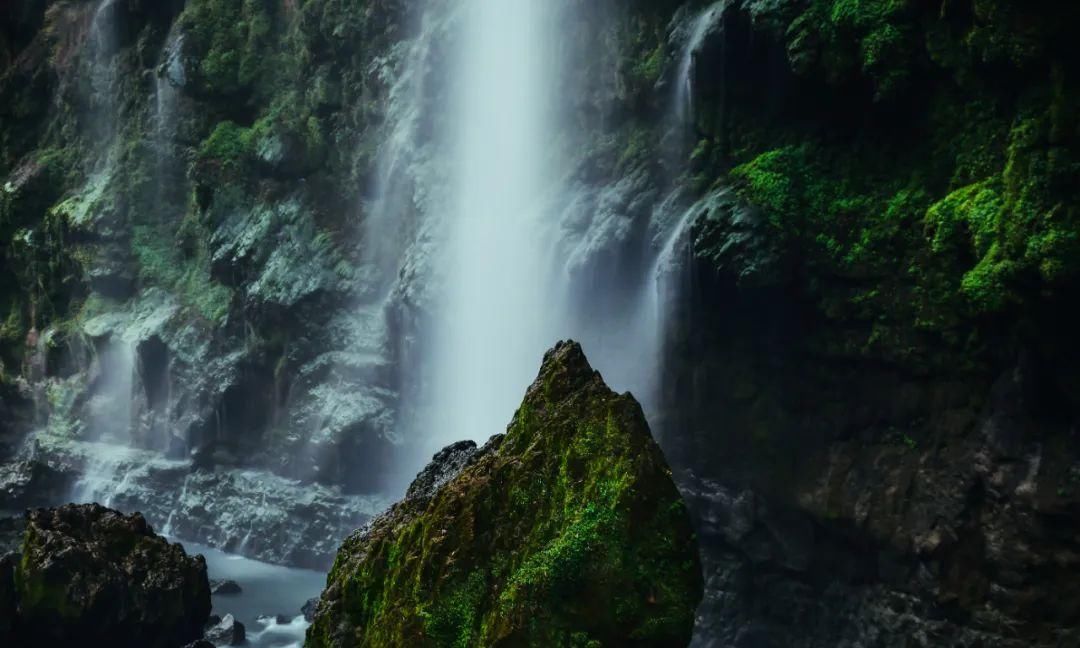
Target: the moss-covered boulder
(89, 575)
(565, 531)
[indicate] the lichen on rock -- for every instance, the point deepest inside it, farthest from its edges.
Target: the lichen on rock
(565, 531)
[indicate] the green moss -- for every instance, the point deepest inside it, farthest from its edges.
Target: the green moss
(913, 215)
(35, 591)
(234, 38)
(161, 263)
(229, 145)
(569, 532)
(649, 69)
(637, 146)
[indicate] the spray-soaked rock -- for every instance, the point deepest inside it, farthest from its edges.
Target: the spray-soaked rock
(568, 530)
(226, 632)
(92, 576)
(225, 586)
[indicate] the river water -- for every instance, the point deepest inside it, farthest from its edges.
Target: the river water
(271, 597)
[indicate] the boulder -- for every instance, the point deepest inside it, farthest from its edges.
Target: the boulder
(89, 574)
(225, 586)
(226, 632)
(309, 609)
(567, 530)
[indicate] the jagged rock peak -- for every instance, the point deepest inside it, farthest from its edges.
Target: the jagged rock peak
(567, 530)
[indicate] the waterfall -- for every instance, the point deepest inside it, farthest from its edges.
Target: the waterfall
(109, 422)
(169, 79)
(681, 111)
(103, 42)
(118, 417)
(503, 275)
(490, 328)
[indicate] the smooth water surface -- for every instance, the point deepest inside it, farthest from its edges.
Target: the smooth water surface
(269, 591)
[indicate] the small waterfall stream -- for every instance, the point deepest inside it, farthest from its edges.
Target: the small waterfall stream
(681, 110)
(119, 417)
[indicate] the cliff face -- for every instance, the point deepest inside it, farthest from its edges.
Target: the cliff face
(877, 353)
(568, 530)
(180, 199)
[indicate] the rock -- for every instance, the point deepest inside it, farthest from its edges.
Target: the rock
(309, 609)
(12, 528)
(567, 530)
(7, 599)
(30, 483)
(225, 586)
(445, 465)
(91, 572)
(201, 643)
(227, 632)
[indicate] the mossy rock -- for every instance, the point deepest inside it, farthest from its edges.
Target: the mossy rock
(89, 575)
(566, 531)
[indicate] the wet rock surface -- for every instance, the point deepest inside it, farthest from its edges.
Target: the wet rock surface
(225, 587)
(573, 509)
(308, 610)
(293, 524)
(226, 631)
(87, 573)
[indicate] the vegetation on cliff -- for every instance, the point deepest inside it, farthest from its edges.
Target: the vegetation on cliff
(567, 531)
(915, 161)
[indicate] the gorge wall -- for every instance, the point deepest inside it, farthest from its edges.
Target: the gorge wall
(852, 225)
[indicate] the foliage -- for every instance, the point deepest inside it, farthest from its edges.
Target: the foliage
(233, 37)
(915, 212)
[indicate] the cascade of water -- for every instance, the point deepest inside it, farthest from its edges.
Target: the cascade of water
(109, 422)
(394, 200)
(491, 326)
(634, 352)
(506, 291)
(645, 328)
(682, 96)
(169, 79)
(103, 41)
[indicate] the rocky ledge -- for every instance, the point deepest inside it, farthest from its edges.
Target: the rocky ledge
(567, 530)
(88, 575)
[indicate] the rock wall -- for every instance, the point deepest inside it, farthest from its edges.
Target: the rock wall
(873, 383)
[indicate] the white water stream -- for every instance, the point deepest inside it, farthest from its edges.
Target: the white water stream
(506, 292)
(493, 324)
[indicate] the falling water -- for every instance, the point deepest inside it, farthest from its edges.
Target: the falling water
(673, 218)
(682, 97)
(491, 327)
(109, 422)
(390, 211)
(506, 291)
(167, 83)
(103, 43)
